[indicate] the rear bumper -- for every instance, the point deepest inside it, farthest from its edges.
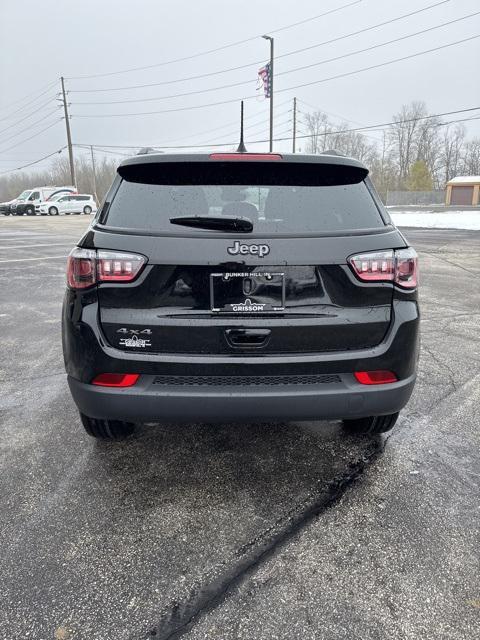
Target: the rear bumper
(149, 401)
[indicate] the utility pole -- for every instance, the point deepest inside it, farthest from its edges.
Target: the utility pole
(270, 86)
(294, 137)
(69, 135)
(94, 175)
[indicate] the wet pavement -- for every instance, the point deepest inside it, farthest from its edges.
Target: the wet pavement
(237, 531)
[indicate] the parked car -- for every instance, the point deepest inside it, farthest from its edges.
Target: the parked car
(29, 201)
(5, 207)
(71, 203)
(298, 301)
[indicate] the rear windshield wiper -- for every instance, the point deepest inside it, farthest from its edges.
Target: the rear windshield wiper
(242, 225)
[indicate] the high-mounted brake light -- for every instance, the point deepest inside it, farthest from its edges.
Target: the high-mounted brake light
(399, 266)
(116, 379)
(246, 156)
(375, 377)
(86, 267)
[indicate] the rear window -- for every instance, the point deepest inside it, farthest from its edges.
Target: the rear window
(295, 199)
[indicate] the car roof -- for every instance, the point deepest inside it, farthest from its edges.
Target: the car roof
(329, 158)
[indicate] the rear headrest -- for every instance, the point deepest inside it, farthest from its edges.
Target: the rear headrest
(277, 201)
(236, 209)
(183, 202)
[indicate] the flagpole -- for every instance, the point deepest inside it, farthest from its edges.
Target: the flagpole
(271, 90)
(294, 128)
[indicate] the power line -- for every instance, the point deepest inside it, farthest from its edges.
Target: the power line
(245, 66)
(34, 103)
(148, 113)
(35, 93)
(33, 124)
(364, 30)
(27, 117)
(115, 153)
(250, 127)
(282, 73)
(34, 161)
(221, 48)
(305, 84)
(165, 82)
(376, 46)
(382, 64)
(443, 124)
(329, 113)
(31, 137)
(372, 127)
(232, 123)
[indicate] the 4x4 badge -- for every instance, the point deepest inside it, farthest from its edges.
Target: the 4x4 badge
(135, 331)
(259, 250)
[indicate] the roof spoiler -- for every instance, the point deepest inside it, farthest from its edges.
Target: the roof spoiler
(254, 172)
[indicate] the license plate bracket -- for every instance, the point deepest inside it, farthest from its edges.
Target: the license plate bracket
(247, 293)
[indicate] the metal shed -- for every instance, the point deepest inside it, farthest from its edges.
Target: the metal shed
(463, 191)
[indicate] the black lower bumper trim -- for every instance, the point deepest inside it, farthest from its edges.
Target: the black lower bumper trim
(148, 401)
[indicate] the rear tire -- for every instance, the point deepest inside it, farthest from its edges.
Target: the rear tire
(107, 429)
(370, 426)
(87, 210)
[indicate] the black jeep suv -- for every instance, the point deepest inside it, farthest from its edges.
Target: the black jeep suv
(241, 287)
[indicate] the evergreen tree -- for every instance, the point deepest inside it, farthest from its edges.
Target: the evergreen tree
(419, 177)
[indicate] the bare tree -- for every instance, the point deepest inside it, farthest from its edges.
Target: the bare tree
(471, 158)
(428, 147)
(404, 135)
(317, 127)
(452, 146)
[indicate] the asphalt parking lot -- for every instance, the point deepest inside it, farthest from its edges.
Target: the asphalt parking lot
(237, 532)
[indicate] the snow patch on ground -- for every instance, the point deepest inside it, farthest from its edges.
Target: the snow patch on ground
(437, 219)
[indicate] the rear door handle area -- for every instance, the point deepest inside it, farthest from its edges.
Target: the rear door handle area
(247, 338)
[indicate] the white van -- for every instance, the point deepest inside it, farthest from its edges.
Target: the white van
(69, 203)
(29, 201)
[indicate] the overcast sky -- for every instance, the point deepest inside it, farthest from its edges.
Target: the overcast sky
(42, 40)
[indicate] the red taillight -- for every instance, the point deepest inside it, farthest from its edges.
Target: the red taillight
(375, 377)
(86, 267)
(246, 156)
(118, 267)
(399, 266)
(379, 265)
(116, 379)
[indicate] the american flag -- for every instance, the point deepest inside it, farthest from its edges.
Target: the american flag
(264, 76)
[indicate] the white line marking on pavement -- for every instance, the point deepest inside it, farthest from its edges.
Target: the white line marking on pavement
(29, 259)
(30, 246)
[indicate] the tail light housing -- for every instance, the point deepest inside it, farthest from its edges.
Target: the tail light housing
(87, 267)
(399, 266)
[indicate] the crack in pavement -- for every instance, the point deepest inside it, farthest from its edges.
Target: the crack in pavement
(178, 619)
(444, 365)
